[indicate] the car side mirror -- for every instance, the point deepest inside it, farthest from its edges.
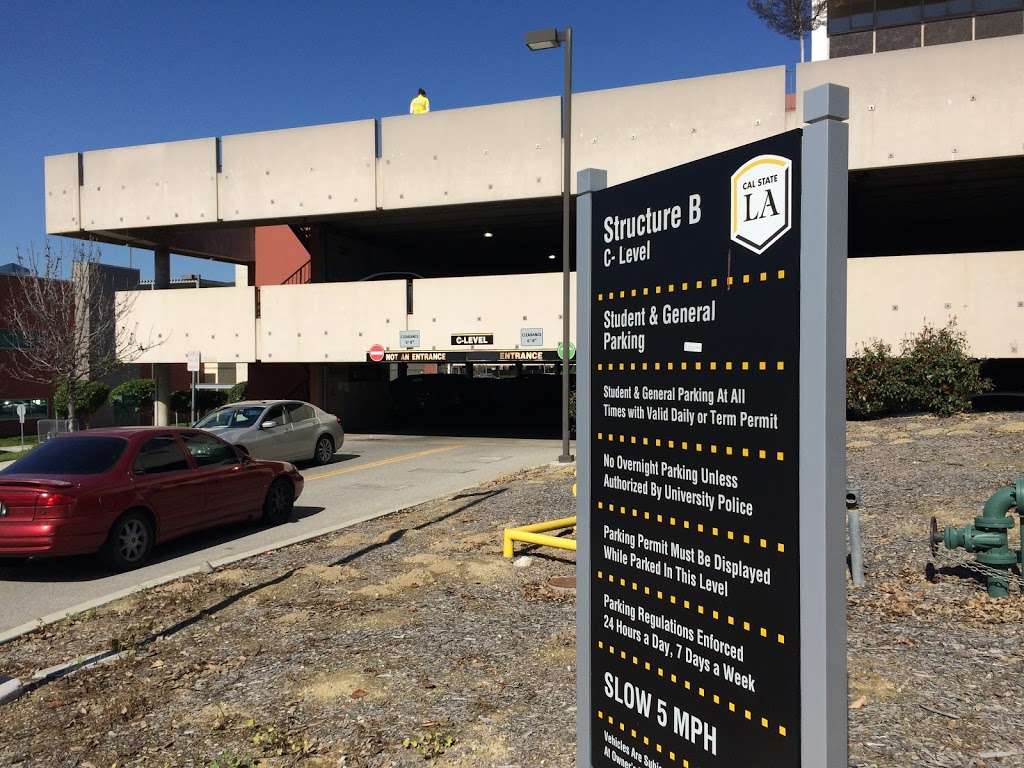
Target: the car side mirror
(243, 454)
(268, 425)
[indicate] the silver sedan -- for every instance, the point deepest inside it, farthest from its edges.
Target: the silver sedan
(281, 430)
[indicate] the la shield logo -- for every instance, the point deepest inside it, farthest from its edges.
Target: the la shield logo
(762, 193)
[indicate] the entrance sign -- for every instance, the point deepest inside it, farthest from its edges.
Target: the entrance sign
(408, 339)
(711, 570)
(473, 356)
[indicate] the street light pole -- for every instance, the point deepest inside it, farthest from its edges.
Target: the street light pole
(566, 241)
(541, 40)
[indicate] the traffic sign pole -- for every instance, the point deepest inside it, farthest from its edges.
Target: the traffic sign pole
(21, 423)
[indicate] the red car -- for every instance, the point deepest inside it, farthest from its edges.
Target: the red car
(120, 491)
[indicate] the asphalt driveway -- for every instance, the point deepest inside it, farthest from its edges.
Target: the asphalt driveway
(373, 475)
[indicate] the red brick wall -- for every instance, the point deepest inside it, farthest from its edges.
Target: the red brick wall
(11, 387)
(278, 254)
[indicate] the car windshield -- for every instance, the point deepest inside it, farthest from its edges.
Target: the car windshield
(232, 418)
(77, 455)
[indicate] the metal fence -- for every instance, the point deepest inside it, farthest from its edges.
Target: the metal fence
(47, 428)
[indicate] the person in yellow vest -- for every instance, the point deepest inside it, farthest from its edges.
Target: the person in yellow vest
(419, 105)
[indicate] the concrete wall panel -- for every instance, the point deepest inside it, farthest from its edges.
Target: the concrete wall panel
(634, 131)
(928, 105)
(892, 297)
(321, 169)
(219, 322)
(479, 154)
(60, 180)
(329, 322)
(499, 304)
(150, 185)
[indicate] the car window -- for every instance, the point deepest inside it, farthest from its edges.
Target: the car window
(209, 452)
(232, 418)
(275, 413)
(77, 455)
(299, 411)
(158, 455)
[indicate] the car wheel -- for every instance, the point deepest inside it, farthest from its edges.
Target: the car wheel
(280, 501)
(129, 542)
(324, 451)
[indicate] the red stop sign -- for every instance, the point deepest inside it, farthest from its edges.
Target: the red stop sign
(377, 353)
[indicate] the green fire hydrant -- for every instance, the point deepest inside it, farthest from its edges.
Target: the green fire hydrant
(988, 537)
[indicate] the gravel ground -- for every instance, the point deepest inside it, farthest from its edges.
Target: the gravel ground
(410, 638)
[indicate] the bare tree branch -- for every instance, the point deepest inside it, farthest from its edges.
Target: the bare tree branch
(66, 330)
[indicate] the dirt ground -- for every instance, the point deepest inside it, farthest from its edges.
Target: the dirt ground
(409, 638)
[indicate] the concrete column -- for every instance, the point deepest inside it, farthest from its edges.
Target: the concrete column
(161, 371)
(245, 275)
(317, 382)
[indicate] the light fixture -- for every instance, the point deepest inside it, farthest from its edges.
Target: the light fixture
(488, 234)
(552, 256)
(542, 39)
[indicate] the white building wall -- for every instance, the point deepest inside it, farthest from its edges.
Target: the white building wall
(923, 105)
(889, 298)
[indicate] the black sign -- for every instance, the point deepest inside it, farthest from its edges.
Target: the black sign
(472, 339)
(475, 356)
(695, 594)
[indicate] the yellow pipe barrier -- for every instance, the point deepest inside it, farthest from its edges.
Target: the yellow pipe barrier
(535, 534)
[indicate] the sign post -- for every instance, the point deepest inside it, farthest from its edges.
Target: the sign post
(193, 361)
(22, 410)
(711, 562)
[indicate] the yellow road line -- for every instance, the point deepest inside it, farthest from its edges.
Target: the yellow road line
(382, 462)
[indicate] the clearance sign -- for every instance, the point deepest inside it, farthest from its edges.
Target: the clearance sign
(711, 563)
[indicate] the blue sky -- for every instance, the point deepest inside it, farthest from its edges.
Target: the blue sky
(79, 76)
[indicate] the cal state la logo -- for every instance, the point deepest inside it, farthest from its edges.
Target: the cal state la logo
(762, 193)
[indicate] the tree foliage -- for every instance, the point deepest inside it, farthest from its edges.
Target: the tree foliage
(89, 397)
(791, 18)
(130, 396)
(237, 393)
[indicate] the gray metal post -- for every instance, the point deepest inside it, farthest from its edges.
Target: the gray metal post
(587, 181)
(161, 371)
(856, 549)
(567, 242)
(823, 427)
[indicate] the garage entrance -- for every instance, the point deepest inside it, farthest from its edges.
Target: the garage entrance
(478, 398)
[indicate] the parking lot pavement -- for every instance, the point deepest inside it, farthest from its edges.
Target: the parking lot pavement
(371, 476)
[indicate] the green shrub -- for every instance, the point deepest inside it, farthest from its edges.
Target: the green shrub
(941, 377)
(130, 396)
(180, 403)
(933, 373)
(237, 393)
(206, 400)
(876, 382)
(90, 396)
